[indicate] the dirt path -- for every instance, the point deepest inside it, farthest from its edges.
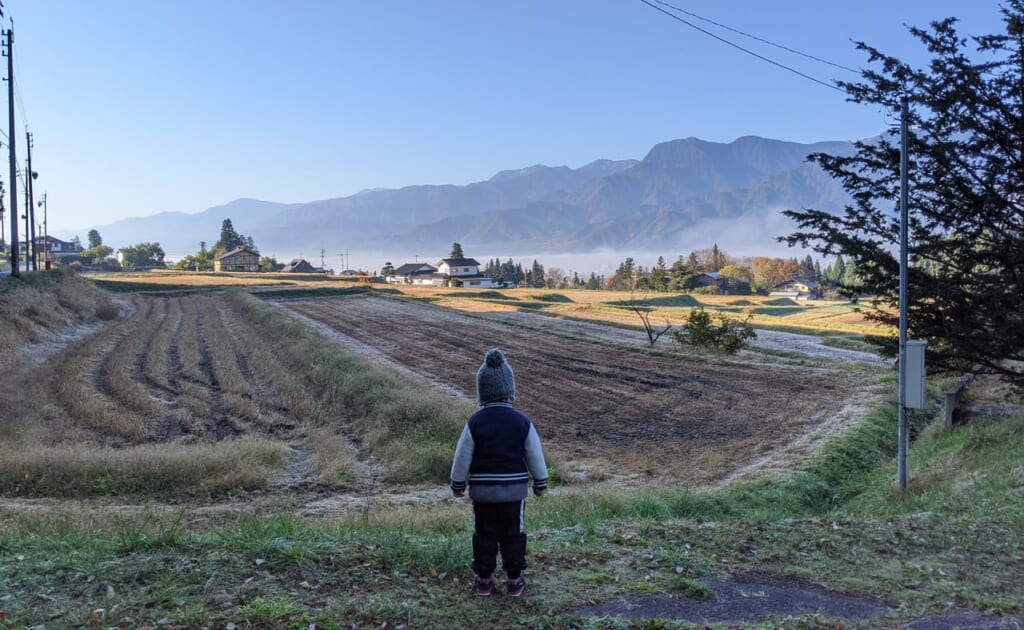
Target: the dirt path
(607, 408)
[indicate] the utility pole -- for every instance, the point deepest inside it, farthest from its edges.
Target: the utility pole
(3, 226)
(30, 209)
(903, 440)
(11, 152)
(46, 234)
(28, 253)
(323, 265)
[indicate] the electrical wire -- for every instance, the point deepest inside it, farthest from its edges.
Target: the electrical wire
(746, 50)
(756, 38)
(17, 90)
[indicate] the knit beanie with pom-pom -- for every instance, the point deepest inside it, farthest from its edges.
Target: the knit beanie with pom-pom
(495, 380)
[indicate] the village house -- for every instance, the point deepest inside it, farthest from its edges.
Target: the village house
(241, 259)
(724, 285)
(463, 272)
(413, 273)
(60, 252)
(449, 272)
(799, 288)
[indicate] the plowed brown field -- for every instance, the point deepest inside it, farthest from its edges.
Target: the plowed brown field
(606, 409)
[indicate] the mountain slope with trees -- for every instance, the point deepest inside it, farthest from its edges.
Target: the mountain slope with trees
(616, 204)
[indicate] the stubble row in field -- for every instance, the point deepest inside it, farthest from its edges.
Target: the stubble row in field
(177, 397)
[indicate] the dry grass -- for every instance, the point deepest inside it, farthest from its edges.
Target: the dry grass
(157, 363)
(334, 458)
(179, 377)
(76, 394)
(118, 369)
(35, 307)
(153, 469)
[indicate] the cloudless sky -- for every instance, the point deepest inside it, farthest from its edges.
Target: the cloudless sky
(144, 106)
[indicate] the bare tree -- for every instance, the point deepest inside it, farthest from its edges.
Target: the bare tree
(556, 277)
(643, 309)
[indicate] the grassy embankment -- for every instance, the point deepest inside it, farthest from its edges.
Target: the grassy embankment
(954, 540)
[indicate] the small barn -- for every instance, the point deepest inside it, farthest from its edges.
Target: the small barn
(299, 265)
(241, 259)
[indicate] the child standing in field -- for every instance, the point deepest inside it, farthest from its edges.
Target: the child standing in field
(498, 452)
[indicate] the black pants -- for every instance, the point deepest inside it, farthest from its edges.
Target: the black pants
(499, 526)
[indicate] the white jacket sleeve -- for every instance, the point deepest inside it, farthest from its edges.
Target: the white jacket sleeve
(463, 458)
(535, 460)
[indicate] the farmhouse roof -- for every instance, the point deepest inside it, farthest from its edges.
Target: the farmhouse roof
(411, 268)
(235, 251)
(811, 284)
(460, 262)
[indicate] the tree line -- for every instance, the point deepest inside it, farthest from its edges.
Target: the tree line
(761, 274)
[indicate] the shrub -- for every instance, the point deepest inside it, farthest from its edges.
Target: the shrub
(718, 331)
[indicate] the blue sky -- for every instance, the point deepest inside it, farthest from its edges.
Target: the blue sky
(140, 106)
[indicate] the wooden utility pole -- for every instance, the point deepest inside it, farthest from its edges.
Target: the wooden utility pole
(30, 210)
(11, 152)
(901, 429)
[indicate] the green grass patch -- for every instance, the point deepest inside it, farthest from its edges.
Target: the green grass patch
(677, 300)
(557, 298)
(484, 295)
(785, 301)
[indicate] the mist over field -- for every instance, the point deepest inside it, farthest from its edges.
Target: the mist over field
(749, 235)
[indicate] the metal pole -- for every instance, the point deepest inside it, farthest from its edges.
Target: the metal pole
(30, 209)
(901, 473)
(13, 155)
(28, 243)
(46, 234)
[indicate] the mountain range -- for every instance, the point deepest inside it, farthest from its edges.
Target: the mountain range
(623, 205)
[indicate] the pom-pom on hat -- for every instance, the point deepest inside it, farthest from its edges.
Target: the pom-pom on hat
(495, 380)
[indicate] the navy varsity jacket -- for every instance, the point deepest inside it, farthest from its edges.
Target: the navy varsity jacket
(498, 452)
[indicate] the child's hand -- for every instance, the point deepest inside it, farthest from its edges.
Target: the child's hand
(458, 494)
(537, 492)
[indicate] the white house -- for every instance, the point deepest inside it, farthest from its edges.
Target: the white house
(462, 272)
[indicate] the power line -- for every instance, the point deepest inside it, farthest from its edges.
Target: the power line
(746, 50)
(760, 39)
